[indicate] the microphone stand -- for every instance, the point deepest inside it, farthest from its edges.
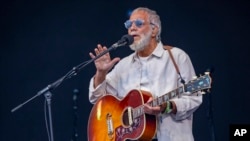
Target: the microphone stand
(210, 118)
(75, 114)
(47, 90)
(210, 110)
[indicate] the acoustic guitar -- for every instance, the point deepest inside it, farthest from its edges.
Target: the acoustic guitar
(114, 119)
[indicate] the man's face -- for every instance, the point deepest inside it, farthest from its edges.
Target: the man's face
(140, 29)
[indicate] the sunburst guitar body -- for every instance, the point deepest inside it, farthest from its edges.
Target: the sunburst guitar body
(112, 119)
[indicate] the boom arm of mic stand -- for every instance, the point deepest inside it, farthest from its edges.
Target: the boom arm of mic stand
(43, 91)
(71, 73)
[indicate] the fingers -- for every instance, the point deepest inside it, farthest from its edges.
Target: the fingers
(151, 110)
(91, 55)
(97, 50)
(100, 49)
(150, 99)
(148, 109)
(115, 60)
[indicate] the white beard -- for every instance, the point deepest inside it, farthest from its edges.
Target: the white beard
(141, 44)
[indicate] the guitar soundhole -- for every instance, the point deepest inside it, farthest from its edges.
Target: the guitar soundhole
(125, 118)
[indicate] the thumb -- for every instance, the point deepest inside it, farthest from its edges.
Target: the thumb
(150, 99)
(115, 60)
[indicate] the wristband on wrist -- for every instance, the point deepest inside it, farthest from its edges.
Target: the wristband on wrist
(168, 107)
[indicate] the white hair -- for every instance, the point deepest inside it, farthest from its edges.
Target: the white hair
(154, 18)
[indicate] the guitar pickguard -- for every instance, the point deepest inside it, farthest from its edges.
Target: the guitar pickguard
(122, 131)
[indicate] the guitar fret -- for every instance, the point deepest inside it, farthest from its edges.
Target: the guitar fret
(166, 97)
(141, 110)
(154, 103)
(180, 90)
(137, 112)
(160, 100)
(172, 94)
(134, 112)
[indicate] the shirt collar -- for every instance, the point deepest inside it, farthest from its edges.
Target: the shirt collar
(158, 52)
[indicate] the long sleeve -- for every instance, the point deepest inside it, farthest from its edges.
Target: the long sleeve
(106, 87)
(95, 93)
(186, 105)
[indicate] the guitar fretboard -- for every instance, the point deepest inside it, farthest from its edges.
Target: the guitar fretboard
(198, 84)
(138, 111)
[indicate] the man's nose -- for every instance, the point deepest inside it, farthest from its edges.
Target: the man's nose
(133, 26)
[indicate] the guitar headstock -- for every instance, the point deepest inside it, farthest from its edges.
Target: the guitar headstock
(202, 83)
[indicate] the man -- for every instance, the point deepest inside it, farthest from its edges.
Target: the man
(151, 69)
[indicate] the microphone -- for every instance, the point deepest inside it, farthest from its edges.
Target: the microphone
(125, 40)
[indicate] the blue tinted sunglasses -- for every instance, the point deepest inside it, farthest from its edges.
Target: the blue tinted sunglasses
(138, 23)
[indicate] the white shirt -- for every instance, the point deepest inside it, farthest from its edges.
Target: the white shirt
(157, 75)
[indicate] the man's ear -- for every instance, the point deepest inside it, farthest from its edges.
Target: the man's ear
(155, 30)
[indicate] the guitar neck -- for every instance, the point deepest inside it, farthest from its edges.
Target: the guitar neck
(159, 100)
(195, 85)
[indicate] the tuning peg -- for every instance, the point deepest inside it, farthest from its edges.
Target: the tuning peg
(207, 72)
(208, 90)
(202, 92)
(194, 77)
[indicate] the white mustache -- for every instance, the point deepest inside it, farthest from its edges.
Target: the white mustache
(134, 33)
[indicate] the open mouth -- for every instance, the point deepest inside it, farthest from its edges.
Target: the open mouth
(135, 36)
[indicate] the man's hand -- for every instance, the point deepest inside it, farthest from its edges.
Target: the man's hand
(153, 110)
(102, 64)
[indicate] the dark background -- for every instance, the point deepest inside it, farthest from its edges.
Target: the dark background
(41, 41)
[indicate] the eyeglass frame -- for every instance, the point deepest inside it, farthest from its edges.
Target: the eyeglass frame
(138, 23)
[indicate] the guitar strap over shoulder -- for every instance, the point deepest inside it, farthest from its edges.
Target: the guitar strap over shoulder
(168, 48)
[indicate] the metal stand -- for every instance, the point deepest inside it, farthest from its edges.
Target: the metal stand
(48, 96)
(210, 110)
(75, 111)
(210, 117)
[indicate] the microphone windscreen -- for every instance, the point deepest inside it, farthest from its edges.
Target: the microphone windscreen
(129, 39)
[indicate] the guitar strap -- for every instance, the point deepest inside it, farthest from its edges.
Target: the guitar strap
(168, 48)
